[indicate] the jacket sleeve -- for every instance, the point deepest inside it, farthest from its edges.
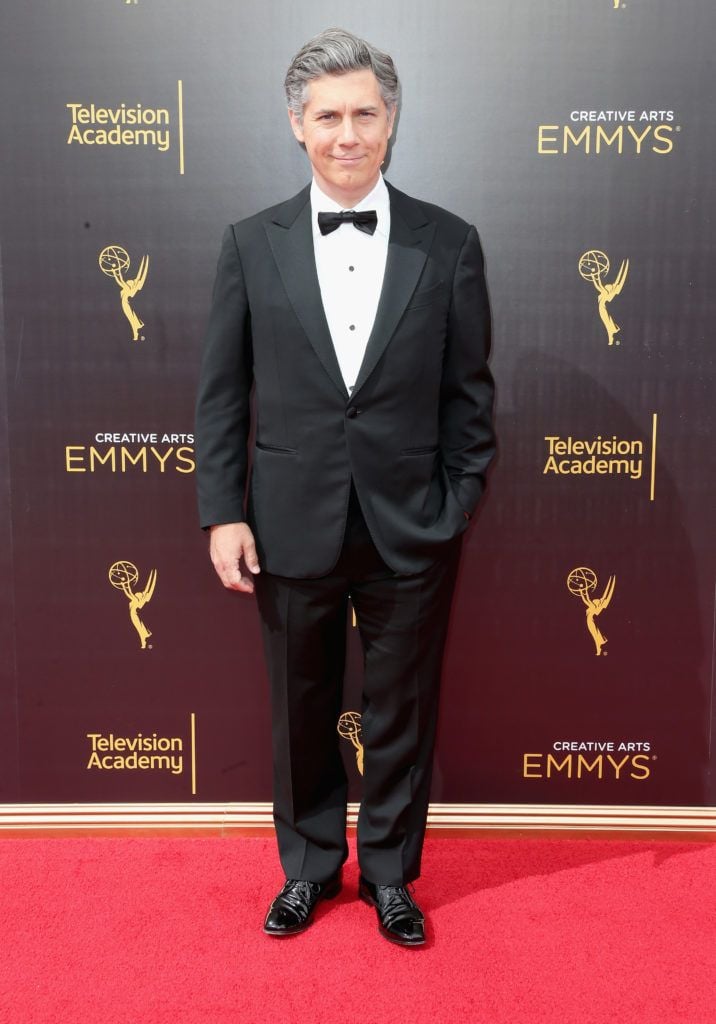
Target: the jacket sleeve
(223, 403)
(467, 438)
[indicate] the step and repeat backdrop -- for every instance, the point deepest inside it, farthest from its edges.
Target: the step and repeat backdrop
(578, 135)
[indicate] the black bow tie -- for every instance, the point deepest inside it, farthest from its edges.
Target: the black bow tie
(365, 220)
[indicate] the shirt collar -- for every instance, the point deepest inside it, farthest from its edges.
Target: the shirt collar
(378, 199)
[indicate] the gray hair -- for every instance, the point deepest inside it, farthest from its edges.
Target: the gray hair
(336, 52)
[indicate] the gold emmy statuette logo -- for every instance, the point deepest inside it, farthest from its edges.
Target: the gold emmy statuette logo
(593, 265)
(349, 727)
(582, 582)
(123, 576)
(113, 260)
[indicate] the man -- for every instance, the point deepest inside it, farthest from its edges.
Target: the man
(360, 318)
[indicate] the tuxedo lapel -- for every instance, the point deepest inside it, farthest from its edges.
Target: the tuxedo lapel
(411, 235)
(291, 239)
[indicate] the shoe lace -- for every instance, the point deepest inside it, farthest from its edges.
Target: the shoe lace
(298, 895)
(397, 903)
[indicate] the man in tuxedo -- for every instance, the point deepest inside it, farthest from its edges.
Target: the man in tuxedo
(359, 317)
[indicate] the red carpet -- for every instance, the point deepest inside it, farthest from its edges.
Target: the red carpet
(167, 931)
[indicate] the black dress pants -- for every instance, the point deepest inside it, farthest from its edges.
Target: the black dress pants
(402, 622)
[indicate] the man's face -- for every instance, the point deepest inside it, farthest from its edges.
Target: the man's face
(345, 128)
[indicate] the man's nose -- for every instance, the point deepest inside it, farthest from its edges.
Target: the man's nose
(347, 135)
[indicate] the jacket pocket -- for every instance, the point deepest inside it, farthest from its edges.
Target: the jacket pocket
(430, 449)
(279, 449)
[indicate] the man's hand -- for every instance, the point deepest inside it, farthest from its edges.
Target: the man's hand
(228, 544)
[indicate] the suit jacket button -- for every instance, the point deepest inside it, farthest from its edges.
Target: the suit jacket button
(352, 412)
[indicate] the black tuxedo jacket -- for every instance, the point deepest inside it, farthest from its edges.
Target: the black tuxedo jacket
(416, 432)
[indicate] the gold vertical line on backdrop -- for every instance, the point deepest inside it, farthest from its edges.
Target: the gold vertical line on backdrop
(713, 678)
(654, 420)
(180, 104)
(193, 753)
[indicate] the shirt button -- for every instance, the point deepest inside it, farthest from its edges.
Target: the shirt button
(351, 268)
(352, 327)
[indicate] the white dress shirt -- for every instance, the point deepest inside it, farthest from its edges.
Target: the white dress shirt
(350, 266)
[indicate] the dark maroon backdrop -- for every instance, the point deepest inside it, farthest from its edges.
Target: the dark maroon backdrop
(495, 125)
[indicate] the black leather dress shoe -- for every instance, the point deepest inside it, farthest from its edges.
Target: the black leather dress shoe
(292, 910)
(400, 919)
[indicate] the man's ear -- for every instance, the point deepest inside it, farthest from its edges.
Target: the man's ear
(296, 126)
(391, 121)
